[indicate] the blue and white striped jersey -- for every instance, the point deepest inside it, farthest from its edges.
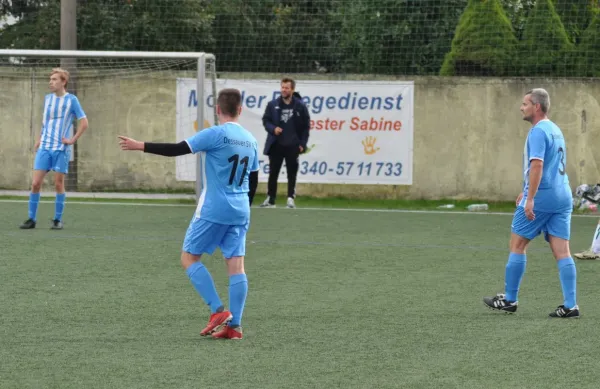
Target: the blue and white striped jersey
(57, 123)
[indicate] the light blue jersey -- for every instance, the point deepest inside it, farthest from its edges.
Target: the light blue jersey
(57, 123)
(546, 142)
(229, 153)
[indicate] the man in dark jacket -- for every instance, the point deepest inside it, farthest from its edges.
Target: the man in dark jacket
(287, 121)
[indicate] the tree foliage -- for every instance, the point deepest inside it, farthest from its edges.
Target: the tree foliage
(412, 37)
(484, 44)
(517, 12)
(38, 26)
(396, 37)
(586, 56)
(576, 16)
(111, 25)
(19, 8)
(545, 47)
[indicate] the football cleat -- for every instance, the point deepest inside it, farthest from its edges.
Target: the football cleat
(229, 333)
(499, 303)
(28, 224)
(565, 313)
(587, 254)
(217, 320)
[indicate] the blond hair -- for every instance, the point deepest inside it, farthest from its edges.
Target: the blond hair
(62, 73)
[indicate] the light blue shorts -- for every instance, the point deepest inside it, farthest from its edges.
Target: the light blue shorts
(204, 237)
(52, 160)
(555, 224)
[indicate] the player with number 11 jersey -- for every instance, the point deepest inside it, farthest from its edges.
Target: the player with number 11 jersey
(229, 153)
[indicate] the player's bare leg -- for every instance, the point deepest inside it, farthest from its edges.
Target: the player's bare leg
(38, 179)
(518, 244)
(34, 198)
(238, 289)
(235, 265)
(205, 286)
(515, 268)
(59, 185)
(188, 259)
(568, 278)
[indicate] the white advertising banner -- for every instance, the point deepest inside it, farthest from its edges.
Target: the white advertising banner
(361, 132)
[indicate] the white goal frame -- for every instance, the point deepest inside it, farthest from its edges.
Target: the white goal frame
(201, 58)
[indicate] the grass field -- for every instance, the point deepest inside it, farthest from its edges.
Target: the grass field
(338, 299)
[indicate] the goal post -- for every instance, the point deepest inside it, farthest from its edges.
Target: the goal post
(136, 91)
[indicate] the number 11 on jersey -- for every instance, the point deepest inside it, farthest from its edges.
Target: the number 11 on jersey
(235, 159)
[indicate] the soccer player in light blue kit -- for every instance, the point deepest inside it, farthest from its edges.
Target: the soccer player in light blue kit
(545, 205)
(229, 153)
(54, 145)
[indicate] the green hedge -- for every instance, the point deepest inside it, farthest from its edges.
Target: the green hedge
(484, 43)
(545, 49)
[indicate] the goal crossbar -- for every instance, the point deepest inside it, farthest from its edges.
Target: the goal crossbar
(105, 54)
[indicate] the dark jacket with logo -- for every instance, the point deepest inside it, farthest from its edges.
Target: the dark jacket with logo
(272, 116)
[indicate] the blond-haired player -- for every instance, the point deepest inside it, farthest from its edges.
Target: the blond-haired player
(53, 146)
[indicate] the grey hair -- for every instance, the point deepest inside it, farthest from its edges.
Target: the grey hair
(540, 96)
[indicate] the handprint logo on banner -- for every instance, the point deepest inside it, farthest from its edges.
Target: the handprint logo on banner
(369, 145)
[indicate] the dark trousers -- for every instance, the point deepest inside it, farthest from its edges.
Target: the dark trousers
(277, 155)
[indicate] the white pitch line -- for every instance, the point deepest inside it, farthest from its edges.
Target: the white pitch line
(371, 210)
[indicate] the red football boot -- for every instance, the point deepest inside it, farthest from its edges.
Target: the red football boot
(216, 320)
(229, 333)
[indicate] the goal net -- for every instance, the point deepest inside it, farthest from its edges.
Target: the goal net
(143, 95)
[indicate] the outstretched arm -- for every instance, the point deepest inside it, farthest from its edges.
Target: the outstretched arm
(164, 149)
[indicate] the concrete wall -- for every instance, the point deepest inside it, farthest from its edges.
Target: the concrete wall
(468, 136)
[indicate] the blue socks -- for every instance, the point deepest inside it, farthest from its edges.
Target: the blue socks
(34, 200)
(204, 284)
(238, 290)
(568, 281)
(515, 268)
(60, 205)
